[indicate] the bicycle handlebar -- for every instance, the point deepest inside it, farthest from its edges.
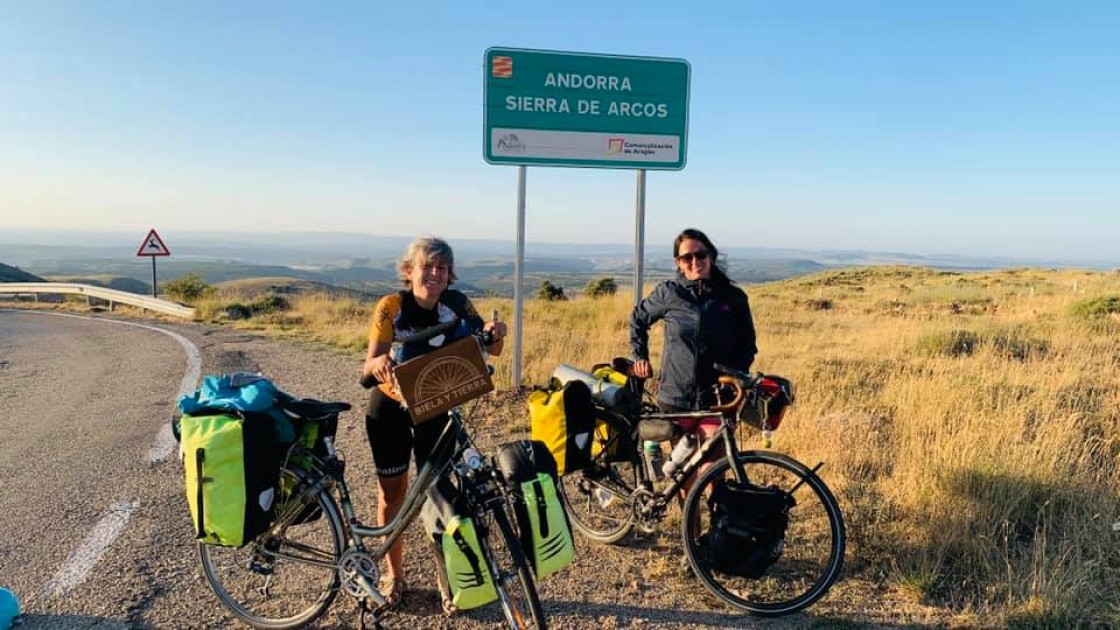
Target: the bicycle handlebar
(484, 336)
(749, 379)
(732, 406)
(424, 334)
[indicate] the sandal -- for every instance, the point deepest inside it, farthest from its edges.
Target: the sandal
(449, 607)
(445, 600)
(393, 590)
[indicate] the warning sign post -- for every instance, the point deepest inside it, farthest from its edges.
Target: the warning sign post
(153, 247)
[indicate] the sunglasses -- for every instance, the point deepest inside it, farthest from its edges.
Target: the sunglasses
(699, 256)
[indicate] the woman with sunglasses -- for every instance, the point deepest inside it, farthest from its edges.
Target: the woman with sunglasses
(707, 321)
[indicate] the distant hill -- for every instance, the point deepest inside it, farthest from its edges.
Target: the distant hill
(15, 274)
(109, 281)
(367, 263)
(251, 287)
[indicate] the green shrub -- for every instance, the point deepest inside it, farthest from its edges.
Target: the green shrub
(550, 292)
(601, 287)
(268, 303)
(1014, 344)
(955, 343)
(1096, 308)
(188, 288)
(237, 310)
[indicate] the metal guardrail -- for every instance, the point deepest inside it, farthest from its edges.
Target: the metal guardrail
(109, 295)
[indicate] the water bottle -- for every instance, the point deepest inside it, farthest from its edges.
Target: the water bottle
(472, 458)
(654, 459)
(681, 452)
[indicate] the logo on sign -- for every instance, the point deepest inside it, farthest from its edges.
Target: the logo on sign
(615, 145)
(510, 142)
(501, 67)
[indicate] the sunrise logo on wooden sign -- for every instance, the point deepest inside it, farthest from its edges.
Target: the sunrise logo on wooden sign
(435, 382)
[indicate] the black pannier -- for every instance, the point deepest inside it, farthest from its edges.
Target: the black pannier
(748, 527)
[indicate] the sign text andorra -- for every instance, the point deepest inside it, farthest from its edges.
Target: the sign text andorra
(635, 108)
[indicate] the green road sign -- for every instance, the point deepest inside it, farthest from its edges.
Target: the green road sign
(548, 108)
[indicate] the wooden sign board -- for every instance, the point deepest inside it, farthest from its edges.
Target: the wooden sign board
(439, 380)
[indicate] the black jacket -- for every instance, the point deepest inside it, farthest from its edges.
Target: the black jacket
(705, 323)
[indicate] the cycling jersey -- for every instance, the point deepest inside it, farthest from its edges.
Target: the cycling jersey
(399, 315)
(392, 435)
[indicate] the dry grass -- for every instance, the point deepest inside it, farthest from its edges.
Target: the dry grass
(970, 422)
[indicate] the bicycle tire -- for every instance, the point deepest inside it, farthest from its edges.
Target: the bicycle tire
(289, 593)
(598, 500)
(809, 564)
(514, 579)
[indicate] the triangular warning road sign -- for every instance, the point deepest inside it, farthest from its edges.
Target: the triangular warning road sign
(153, 246)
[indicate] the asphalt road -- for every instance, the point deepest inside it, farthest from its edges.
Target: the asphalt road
(87, 500)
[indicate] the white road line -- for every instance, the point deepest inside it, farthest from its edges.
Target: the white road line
(82, 559)
(108, 529)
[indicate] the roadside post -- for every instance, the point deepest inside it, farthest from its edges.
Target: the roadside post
(584, 110)
(153, 247)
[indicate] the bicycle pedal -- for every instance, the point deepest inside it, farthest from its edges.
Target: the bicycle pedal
(261, 568)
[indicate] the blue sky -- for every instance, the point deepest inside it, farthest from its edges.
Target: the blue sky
(941, 127)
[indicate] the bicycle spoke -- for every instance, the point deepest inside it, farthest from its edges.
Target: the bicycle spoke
(599, 504)
(811, 554)
(284, 580)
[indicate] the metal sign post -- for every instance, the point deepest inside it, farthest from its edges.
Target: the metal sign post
(518, 279)
(549, 108)
(639, 236)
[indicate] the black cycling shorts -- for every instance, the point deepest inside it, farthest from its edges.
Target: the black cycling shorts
(393, 437)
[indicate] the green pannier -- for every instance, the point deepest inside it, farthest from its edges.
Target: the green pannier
(231, 461)
(465, 571)
(546, 535)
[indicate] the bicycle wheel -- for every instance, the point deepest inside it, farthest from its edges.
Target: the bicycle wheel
(513, 578)
(598, 500)
(282, 581)
(813, 551)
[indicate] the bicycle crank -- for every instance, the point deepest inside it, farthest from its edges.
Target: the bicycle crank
(648, 510)
(355, 566)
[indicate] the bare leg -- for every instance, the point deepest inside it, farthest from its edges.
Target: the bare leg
(391, 491)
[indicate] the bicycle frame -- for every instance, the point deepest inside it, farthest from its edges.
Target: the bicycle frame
(450, 443)
(725, 435)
